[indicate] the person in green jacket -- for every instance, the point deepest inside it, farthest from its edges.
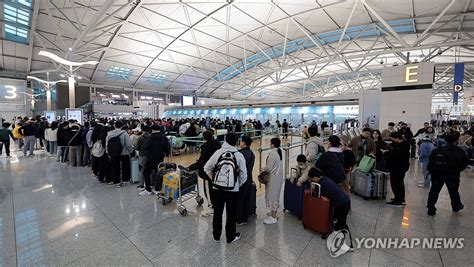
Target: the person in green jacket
(5, 134)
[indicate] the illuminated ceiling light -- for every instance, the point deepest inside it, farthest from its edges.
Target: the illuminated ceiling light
(70, 48)
(65, 61)
(62, 75)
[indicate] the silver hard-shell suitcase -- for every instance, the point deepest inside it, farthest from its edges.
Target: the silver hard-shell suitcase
(372, 185)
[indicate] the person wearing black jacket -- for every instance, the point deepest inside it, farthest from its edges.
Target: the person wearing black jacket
(75, 144)
(63, 141)
(156, 148)
(28, 131)
(457, 162)
(331, 162)
(407, 134)
(398, 160)
(243, 205)
(207, 150)
(105, 172)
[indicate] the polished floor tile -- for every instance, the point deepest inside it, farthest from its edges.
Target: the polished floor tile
(52, 214)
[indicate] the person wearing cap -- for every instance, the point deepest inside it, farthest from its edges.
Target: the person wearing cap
(426, 147)
(331, 162)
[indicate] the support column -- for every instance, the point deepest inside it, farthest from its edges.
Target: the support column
(72, 93)
(48, 99)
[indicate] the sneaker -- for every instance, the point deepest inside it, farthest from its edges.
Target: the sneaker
(145, 193)
(110, 183)
(395, 204)
(237, 237)
(118, 185)
(459, 208)
(270, 220)
(403, 202)
(140, 186)
(241, 224)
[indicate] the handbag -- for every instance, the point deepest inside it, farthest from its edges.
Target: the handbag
(264, 177)
(366, 164)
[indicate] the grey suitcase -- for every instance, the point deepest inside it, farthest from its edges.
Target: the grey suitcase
(135, 170)
(372, 185)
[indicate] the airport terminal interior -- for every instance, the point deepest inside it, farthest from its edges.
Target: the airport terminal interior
(237, 133)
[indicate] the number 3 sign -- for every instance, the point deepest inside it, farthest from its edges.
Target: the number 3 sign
(11, 92)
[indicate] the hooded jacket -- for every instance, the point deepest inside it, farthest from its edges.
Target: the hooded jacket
(312, 150)
(331, 164)
(124, 140)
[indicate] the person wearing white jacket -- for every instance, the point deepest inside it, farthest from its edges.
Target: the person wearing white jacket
(51, 135)
(227, 198)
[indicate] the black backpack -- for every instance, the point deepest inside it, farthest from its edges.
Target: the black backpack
(114, 146)
(442, 160)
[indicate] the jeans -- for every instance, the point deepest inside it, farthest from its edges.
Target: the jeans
(62, 153)
(398, 185)
(452, 183)
(53, 148)
(29, 144)
(426, 174)
(7, 147)
(75, 153)
(229, 201)
(86, 155)
(120, 168)
(243, 204)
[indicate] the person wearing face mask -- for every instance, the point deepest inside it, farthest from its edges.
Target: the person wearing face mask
(363, 145)
(331, 162)
(300, 176)
(407, 134)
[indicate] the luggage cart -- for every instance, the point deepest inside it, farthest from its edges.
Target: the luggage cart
(188, 187)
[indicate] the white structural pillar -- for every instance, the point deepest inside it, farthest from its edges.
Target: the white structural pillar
(48, 99)
(72, 93)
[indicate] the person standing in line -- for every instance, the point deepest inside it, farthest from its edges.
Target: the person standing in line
(119, 153)
(243, 205)
(5, 135)
(274, 167)
(331, 162)
(29, 133)
(51, 134)
(426, 148)
(227, 198)
(315, 146)
(62, 137)
(407, 134)
(86, 150)
(380, 147)
(363, 145)
(155, 148)
(139, 146)
(104, 170)
(17, 134)
(75, 144)
(285, 129)
(208, 149)
(445, 165)
(93, 137)
(398, 158)
(386, 133)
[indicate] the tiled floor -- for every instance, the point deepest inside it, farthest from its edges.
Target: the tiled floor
(55, 215)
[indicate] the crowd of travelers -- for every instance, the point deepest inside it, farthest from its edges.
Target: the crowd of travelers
(107, 146)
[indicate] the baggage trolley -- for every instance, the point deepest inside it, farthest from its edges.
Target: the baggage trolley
(188, 187)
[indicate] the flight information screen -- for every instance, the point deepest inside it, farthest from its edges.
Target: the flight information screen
(12, 91)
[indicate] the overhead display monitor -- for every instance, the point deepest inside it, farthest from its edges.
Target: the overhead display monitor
(50, 116)
(12, 91)
(187, 100)
(74, 114)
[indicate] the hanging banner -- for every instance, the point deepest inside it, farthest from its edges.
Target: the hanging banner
(458, 81)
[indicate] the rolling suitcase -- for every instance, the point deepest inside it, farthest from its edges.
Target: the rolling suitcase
(317, 211)
(253, 200)
(372, 185)
(293, 198)
(135, 170)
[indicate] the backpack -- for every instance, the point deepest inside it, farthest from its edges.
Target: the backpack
(114, 146)
(442, 160)
(225, 172)
(97, 149)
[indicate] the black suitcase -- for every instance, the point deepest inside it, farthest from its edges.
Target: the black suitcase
(253, 200)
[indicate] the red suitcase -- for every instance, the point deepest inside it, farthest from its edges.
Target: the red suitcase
(317, 211)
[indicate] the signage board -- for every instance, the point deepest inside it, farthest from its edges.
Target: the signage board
(12, 91)
(408, 77)
(50, 116)
(74, 114)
